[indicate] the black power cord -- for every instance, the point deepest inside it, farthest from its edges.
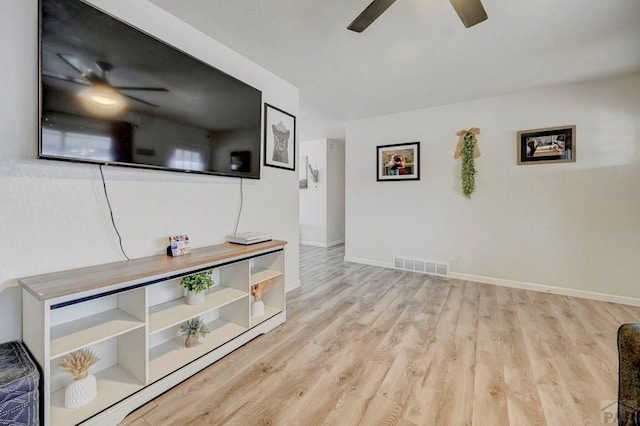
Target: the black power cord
(239, 211)
(104, 185)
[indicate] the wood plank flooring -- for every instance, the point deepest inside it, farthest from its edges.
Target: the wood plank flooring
(371, 346)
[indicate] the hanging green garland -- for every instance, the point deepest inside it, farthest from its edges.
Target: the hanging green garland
(468, 149)
(468, 166)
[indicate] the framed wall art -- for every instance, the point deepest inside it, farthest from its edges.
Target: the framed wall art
(279, 138)
(398, 162)
(303, 175)
(548, 145)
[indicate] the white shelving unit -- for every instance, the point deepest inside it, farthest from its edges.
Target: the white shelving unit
(129, 314)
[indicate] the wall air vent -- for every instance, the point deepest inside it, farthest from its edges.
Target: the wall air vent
(422, 266)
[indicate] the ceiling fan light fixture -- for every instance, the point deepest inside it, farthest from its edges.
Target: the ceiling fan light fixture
(100, 98)
(103, 100)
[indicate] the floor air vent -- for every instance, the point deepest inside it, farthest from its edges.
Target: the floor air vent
(422, 266)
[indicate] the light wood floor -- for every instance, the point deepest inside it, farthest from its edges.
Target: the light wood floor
(365, 346)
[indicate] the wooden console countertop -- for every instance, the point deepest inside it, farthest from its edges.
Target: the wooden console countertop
(65, 283)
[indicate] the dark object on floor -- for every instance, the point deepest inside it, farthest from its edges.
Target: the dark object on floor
(629, 375)
(19, 379)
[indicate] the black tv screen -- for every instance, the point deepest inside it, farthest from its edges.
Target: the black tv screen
(111, 94)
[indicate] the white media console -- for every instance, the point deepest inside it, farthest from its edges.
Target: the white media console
(129, 314)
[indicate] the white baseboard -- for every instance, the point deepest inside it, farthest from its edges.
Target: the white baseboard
(335, 243)
(563, 291)
(292, 286)
(368, 262)
(323, 245)
(313, 244)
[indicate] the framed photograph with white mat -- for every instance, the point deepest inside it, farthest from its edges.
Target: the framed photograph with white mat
(279, 138)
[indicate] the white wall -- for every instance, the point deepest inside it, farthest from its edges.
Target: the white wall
(574, 226)
(53, 215)
(335, 195)
(313, 200)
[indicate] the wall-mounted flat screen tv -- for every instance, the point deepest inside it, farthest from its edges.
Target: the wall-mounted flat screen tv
(111, 94)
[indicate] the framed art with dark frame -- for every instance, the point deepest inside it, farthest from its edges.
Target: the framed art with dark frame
(548, 145)
(398, 162)
(279, 138)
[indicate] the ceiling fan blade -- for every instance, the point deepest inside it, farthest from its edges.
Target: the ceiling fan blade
(471, 12)
(74, 62)
(64, 78)
(140, 100)
(370, 14)
(148, 89)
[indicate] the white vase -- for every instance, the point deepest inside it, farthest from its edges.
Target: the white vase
(80, 392)
(194, 298)
(257, 308)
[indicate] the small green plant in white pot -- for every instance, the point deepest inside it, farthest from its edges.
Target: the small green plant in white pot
(192, 330)
(197, 286)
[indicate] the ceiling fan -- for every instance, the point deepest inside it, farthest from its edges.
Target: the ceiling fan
(98, 81)
(471, 12)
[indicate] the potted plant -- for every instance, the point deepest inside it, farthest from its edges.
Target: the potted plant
(196, 286)
(193, 329)
(83, 389)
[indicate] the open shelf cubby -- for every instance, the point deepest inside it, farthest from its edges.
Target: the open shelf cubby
(119, 372)
(79, 325)
(269, 269)
(167, 349)
(114, 384)
(176, 311)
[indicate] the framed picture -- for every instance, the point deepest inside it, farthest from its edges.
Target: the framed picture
(279, 138)
(549, 145)
(399, 161)
(178, 245)
(302, 173)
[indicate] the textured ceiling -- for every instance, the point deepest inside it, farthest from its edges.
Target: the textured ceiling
(418, 54)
